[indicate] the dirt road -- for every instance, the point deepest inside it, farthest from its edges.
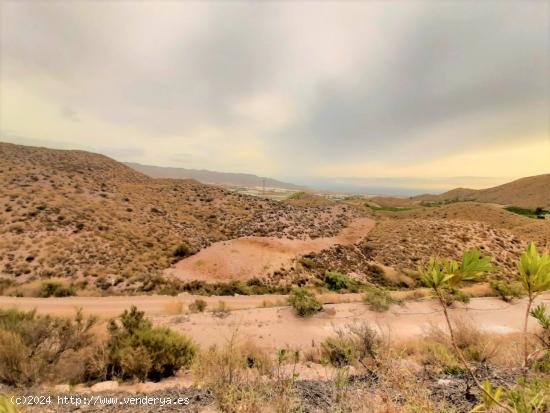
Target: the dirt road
(247, 257)
(273, 327)
(277, 327)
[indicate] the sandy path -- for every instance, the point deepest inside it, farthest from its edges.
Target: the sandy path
(273, 327)
(112, 306)
(277, 327)
(247, 257)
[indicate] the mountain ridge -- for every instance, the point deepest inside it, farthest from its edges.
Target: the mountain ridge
(212, 177)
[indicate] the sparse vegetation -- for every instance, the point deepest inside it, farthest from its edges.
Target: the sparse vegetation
(56, 289)
(198, 306)
(136, 349)
(506, 290)
(304, 302)
(71, 213)
(32, 346)
(531, 213)
(337, 281)
(534, 275)
(377, 298)
(386, 208)
(356, 343)
(182, 251)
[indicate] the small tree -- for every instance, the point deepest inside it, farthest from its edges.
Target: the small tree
(440, 274)
(534, 274)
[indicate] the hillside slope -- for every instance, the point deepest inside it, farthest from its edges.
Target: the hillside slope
(211, 177)
(529, 192)
(83, 216)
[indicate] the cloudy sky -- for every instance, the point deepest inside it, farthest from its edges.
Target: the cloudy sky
(422, 94)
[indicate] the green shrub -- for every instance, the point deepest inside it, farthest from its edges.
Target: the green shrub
(136, 349)
(531, 213)
(31, 346)
(55, 289)
(530, 396)
(378, 299)
(304, 302)
(454, 294)
(337, 281)
(505, 290)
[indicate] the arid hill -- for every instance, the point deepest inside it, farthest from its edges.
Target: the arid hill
(527, 229)
(530, 192)
(90, 219)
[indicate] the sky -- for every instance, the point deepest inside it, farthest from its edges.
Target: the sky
(399, 94)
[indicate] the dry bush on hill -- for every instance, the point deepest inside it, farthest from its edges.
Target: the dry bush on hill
(407, 243)
(78, 215)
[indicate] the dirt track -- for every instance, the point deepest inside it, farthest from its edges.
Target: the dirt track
(278, 326)
(247, 257)
(273, 327)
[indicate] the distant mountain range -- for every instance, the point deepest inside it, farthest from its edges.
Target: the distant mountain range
(212, 177)
(529, 192)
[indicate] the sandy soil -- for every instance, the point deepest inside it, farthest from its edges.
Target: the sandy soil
(247, 257)
(273, 327)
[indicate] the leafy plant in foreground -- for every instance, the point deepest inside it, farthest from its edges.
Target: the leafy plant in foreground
(534, 275)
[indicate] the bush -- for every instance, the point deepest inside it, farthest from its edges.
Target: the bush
(378, 299)
(182, 251)
(32, 346)
(338, 350)
(198, 306)
(307, 263)
(454, 294)
(136, 349)
(337, 281)
(357, 342)
(506, 291)
(304, 302)
(476, 346)
(55, 289)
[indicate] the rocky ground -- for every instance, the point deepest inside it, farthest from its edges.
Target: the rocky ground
(313, 396)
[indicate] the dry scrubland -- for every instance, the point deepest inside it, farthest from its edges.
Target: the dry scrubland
(73, 222)
(355, 368)
(88, 219)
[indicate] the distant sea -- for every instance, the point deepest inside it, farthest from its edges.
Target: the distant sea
(376, 190)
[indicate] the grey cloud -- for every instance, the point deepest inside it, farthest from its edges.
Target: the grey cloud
(231, 55)
(462, 62)
(466, 63)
